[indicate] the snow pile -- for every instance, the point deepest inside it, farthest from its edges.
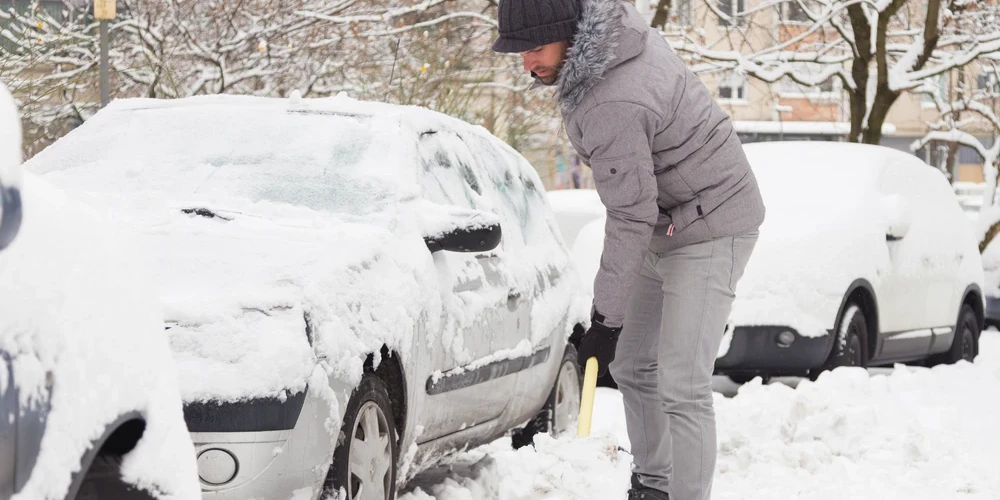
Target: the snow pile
(915, 433)
(556, 469)
(79, 312)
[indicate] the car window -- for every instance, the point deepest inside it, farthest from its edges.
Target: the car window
(517, 187)
(329, 162)
(448, 170)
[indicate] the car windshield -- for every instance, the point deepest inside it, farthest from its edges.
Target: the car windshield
(324, 161)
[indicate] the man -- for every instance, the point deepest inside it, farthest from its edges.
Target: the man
(683, 212)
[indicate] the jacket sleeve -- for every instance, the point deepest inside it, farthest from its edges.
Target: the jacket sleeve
(618, 136)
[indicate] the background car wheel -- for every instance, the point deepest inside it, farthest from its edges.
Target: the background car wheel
(742, 378)
(365, 460)
(562, 408)
(103, 480)
(850, 348)
(966, 343)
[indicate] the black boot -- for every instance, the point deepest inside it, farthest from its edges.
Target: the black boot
(640, 492)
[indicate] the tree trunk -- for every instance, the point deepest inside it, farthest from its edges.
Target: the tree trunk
(884, 99)
(859, 98)
(662, 13)
(990, 234)
(859, 69)
(951, 162)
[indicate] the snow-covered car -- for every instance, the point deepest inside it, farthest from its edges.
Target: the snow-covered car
(865, 259)
(353, 290)
(89, 399)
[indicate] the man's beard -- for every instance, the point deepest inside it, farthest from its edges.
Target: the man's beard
(550, 78)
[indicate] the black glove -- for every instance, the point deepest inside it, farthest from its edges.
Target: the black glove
(601, 342)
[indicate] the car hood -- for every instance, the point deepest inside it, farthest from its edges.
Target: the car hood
(256, 297)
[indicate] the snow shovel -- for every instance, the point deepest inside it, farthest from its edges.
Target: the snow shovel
(587, 398)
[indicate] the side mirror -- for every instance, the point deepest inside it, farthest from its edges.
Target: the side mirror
(462, 230)
(896, 216)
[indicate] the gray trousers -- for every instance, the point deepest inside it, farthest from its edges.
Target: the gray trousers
(665, 358)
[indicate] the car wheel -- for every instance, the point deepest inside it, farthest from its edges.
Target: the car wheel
(104, 480)
(850, 348)
(743, 378)
(966, 343)
(562, 409)
(365, 460)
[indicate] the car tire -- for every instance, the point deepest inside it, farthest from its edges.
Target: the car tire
(103, 480)
(966, 342)
(850, 347)
(743, 378)
(562, 406)
(368, 422)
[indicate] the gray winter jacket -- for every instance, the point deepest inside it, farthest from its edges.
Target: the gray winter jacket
(666, 160)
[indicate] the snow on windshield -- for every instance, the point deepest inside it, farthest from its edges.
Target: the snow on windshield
(324, 161)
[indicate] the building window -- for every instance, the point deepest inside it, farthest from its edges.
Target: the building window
(827, 89)
(731, 8)
(733, 87)
(793, 12)
(683, 12)
(987, 85)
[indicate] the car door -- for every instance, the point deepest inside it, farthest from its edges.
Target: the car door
(917, 288)
(469, 385)
(535, 254)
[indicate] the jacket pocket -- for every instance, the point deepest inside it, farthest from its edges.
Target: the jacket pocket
(617, 180)
(671, 184)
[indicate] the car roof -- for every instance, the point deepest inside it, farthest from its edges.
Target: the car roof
(419, 118)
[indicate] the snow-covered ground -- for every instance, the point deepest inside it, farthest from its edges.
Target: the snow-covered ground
(906, 433)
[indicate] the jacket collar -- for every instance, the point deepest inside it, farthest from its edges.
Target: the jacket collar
(609, 33)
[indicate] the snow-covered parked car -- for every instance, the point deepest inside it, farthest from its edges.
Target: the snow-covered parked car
(865, 258)
(353, 290)
(89, 400)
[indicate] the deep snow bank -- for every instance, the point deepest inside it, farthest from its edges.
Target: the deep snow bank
(913, 433)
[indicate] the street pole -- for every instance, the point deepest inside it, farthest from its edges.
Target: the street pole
(104, 63)
(104, 11)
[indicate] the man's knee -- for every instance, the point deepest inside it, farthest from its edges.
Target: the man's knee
(685, 393)
(633, 370)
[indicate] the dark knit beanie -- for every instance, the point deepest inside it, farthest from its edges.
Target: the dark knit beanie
(526, 24)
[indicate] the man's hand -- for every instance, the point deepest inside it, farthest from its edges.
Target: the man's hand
(601, 342)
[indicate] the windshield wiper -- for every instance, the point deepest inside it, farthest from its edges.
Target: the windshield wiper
(204, 212)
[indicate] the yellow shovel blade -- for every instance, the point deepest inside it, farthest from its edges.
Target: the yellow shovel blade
(587, 398)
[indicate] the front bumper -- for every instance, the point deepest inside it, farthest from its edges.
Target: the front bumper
(259, 449)
(757, 349)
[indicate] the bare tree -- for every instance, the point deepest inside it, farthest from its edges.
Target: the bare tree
(434, 53)
(878, 49)
(969, 109)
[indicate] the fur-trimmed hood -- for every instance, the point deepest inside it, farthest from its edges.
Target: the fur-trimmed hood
(607, 35)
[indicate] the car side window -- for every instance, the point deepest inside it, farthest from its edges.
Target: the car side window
(448, 170)
(516, 186)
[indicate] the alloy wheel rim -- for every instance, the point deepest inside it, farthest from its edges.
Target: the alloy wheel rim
(567, 404)
(370, 455)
